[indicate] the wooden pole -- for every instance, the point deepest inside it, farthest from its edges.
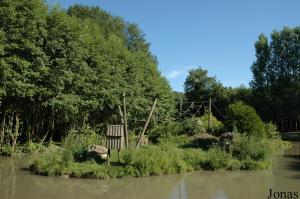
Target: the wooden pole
(209, 117)
(125, 120)
(146, 124)
(108, 156)
(121, 114)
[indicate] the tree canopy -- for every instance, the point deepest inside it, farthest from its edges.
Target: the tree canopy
(276, 75)
(67, 69)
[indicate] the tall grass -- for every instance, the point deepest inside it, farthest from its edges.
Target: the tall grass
(167, 157)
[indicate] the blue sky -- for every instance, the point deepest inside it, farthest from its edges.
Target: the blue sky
(214, 34)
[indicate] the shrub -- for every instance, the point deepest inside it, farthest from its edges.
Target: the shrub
(197, 125)
(48, 163)
(271, 131)
(256, 149)
(7, 150)
(155, 160)
(174, 141)
(193, 125)
(217, 159)
(250, 164)
(77, 142)
(245, 119)
(165, 130)
(31, 147)
(251, 147)
(194, 158)
(216, 125)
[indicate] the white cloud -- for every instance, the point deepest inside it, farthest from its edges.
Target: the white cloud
(173, 74)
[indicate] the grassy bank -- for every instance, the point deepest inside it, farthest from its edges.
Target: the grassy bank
(30, 147)
(164, 158)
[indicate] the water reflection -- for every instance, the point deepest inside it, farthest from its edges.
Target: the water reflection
(16, 183)
(179, 191)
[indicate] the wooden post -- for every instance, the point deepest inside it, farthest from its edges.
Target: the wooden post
(209, 116)
(121, 114)
(125, 120)
(108, 156)
(146, 124)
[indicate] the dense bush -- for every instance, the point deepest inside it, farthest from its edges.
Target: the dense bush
(49, 163)
(76, 144)
(175, 141)
(245, 119)
(195, 125)
(165, 130)
(32, 147)
(151, 160)
(271, 131)
(251, 147)
(7, 149)
(216, 125)
(218, 159)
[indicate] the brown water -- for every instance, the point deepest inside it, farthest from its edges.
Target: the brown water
(17, 183)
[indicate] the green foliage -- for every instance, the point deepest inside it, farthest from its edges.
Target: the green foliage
(256, 153)
(70, 68)
(165, 130)
(49, 163)
(194, 125)
(218, 159)
(155, 160)
(6, 150)
(271, 130)
(250, 147)
(197, 125)
(198, 86)
(174, 141)
(276, 74)
(245, 119)
(32, 147)
(246, 152)
(216, 125)
(76, 144)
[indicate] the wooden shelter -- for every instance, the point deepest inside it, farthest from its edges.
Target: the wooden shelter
(114, 139)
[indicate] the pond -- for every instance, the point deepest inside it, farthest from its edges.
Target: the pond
(17, 183)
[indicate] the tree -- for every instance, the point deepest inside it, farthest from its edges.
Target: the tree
(22, 60)
(245, 119)
(276, 75)
(198, 86)
(63, 70)
(261, 79)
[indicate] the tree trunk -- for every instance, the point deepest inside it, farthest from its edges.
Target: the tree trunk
(35, 115)
(16, 131)
(49, 127)
(52, 130)
(2, 132)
